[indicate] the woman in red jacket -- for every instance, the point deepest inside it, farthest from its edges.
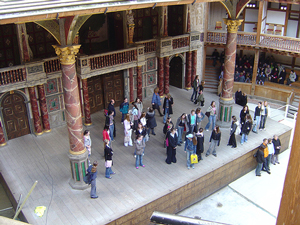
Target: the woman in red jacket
(106, 136)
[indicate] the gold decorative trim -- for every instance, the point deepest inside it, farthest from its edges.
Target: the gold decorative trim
(66, 54)
(87, 124)
(232, 25)
(226, 99)
(47, 131)
(77, 153)
(188, 88)
(38, 134)
(3, 144)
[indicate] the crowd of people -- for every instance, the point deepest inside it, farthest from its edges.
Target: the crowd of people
(186, 130)
(268, 69)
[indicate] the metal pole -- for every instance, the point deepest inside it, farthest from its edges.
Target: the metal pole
(27, 196)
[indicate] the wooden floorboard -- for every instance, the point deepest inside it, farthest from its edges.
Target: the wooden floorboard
(25, 160)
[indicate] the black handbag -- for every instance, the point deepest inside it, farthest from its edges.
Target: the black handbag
(207, 114)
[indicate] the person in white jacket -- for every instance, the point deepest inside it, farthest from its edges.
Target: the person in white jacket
(271, 151)
(127, 131)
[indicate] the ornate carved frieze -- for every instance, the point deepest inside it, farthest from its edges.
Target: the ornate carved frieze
(35, 69)
(166, 43)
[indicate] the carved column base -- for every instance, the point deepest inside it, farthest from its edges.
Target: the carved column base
(225, 112)
(79, 165)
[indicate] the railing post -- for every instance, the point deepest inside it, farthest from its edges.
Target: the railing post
(286, 110)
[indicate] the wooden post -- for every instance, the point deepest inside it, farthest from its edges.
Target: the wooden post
(256, 59)
(260, 9)
(289, 206)
(286, 18)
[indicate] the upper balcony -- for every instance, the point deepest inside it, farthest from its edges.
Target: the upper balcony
(35, 73)
(287, 45)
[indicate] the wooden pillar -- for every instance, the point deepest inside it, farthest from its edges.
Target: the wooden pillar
(86, 101)
(161, 76)
(188, 22)
(139, 80)
(165, 21)
(166, 73)
(289, 206)
(256, 60)
(188, 73)
(43, 108)
(131, 98)
(194, 64)
(35, 111)
(260, 10)
(287, 14)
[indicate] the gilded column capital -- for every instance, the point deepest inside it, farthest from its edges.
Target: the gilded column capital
(232, 25)
(66, 54)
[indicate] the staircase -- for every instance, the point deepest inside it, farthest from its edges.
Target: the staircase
(293, 109)
(211, 77)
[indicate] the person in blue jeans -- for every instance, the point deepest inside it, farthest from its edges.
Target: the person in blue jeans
(189, 149)
(246, 128)
(167, 106)
(156, 101)
(192, 121)
(212, 117)
(257, 117)
(139, 148)
(109, 121)
(92, 170)
(108, 159)
(180, 124)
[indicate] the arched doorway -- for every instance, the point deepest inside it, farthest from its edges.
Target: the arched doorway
(15, 116)
(176, 72)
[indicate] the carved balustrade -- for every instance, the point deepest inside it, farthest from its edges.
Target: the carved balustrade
(12, 75)
(280, 42)
(181, 41)
(52, 65)
(249, 39)
(149, 45)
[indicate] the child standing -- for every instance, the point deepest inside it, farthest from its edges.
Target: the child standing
(87, 141)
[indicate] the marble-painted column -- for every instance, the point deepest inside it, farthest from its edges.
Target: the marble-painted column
(226, 100)
(43, 108)
(194, 65)
(139, 80)
(77, 153)
(166, 72)
(131, 94)
(161, 76)
(2, 136)
(188, 74)
(35, 111)
(188, 25)
(86, 101)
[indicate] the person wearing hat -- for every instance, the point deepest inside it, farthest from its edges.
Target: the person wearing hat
(92, 170)
(189, 149)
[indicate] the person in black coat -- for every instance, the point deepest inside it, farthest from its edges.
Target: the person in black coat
(243, 114)
(108, 160)
(167, 107)
(140, 130)
(171, 146)
(151, 121)
(260, 160)
(277, 147)
(200, 142)
(246, 128)
(238, 96)
(232, 140)
(111, 106)
(282, 76)
(214, 141)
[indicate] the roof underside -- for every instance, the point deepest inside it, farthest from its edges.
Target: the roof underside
(18, 11)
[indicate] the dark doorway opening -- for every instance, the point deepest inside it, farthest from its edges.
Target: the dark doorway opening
(176, 72)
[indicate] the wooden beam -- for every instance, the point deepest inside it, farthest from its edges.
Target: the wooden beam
(286, 19)
(258, 27)
(256, 59)
(99, 10)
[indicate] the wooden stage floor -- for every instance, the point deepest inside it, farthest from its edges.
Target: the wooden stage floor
(44, 158)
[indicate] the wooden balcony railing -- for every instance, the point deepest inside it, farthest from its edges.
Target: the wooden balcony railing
(246, 38)
(149, 45)
(112, 59)
(280, 42)
(52, 65)
(249, 39)
(12, 75)
(181, 41)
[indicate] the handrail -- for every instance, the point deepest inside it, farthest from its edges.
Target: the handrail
(286, 113)
(282, 37)
(288, 100)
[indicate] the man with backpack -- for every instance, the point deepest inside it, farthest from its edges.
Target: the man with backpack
(91, 178)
